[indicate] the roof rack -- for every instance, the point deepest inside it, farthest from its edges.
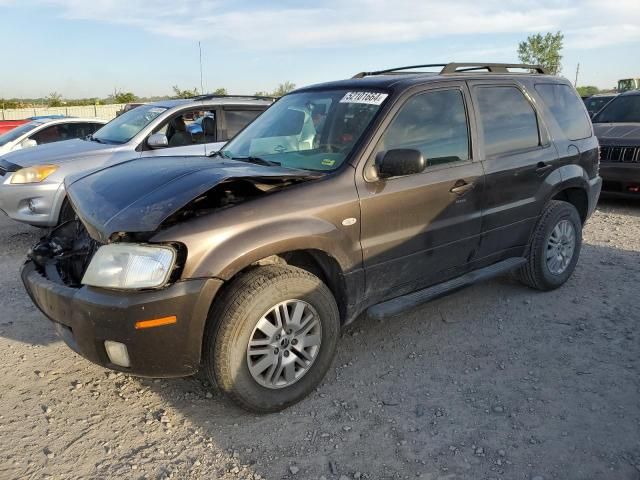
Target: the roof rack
(214, 96)
(449, 68)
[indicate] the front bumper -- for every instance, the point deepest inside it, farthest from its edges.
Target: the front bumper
(621, 179)
(45, 198)
(85, 317)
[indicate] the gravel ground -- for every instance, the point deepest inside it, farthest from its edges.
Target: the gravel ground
(496, 381)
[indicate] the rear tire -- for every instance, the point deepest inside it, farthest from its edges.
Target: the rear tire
(254, 303)
(554, 247)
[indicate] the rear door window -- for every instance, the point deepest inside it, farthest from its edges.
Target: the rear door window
(509, 122)
(236, 120)
(567, 109)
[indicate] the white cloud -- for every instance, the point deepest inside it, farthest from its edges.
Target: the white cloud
(336, 23)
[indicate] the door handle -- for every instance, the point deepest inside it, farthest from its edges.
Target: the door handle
(461, 187)
(543, 167)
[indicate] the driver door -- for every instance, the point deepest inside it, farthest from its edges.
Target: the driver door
(422, 229)
(192, 138)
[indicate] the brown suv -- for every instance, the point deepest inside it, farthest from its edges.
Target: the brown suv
(372, 194)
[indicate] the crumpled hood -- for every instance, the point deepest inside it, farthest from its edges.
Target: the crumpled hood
(138, 195)
(618, 134)
(56, 153)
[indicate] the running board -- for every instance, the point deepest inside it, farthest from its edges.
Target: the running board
(400, 304)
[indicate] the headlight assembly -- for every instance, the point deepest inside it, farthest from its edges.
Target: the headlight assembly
(34, 174)
(130, 266)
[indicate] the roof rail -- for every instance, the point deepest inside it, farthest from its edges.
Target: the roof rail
(212, 96)
(449, 68)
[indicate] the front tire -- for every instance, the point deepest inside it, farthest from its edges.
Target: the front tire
(554, 247)
(271, 337)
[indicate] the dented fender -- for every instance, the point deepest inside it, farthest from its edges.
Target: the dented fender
(224, 242)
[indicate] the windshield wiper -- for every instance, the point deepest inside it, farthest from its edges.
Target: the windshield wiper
(95, 139)
(258, 161)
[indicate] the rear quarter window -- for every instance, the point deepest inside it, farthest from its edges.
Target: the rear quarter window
(567, 109)
(509, 122)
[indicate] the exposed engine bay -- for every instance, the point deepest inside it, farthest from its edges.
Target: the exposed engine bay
(229, 193)
(64, 254)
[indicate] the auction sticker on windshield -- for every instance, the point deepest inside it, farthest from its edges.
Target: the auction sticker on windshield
(369, 98)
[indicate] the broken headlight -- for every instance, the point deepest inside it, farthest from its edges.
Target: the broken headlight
(130, 266)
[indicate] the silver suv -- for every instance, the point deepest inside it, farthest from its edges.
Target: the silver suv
(32, 188)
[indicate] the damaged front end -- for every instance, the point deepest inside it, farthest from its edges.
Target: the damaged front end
(144, 195)
(64, 254)
(227, 194)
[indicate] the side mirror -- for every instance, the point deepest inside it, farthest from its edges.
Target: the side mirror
(158, 140)
(399, 162)
(28, 143)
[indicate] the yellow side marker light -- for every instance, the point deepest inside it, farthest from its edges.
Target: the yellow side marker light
(156, 322)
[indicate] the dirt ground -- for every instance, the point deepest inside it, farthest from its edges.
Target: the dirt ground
(494, 382)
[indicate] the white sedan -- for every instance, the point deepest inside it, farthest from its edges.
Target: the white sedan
(47, 130)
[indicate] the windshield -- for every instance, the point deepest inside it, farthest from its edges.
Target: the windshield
(622, 109)
(11, 135)
(123, 128)
(308, 130)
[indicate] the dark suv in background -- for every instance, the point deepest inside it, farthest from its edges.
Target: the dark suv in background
(376, 194)
(617, 127)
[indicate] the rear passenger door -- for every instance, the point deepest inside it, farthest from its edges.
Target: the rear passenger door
(517, 156)
(421, 229)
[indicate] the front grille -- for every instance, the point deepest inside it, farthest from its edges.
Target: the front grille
(620, 154)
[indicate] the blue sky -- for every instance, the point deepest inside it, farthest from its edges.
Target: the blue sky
(85, 48)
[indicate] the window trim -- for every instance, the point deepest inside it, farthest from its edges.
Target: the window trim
(398, 107)
(544, 139)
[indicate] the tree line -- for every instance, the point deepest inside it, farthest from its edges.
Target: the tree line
(538, 49)
(55, 99)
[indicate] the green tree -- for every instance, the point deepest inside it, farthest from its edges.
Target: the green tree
(124, 97)
(178, 93)
(588, 90)
(54, 99)
(281, 90)
(543, 50)
(220, 91)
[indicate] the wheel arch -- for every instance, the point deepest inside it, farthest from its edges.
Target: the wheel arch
(572, 186)
(577, 197)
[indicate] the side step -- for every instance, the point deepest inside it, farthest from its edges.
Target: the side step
(400, 304)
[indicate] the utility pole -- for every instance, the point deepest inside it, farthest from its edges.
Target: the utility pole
(201, 82)
(575, 84)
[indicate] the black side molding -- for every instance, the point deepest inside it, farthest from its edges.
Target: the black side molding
(406, 302)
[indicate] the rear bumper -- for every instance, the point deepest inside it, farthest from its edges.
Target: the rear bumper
(595, 186)
(620, 179)
(85, 317)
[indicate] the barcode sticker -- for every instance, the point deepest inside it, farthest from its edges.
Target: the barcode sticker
(369, 98)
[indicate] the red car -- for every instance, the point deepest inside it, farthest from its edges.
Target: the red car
(6, 125)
